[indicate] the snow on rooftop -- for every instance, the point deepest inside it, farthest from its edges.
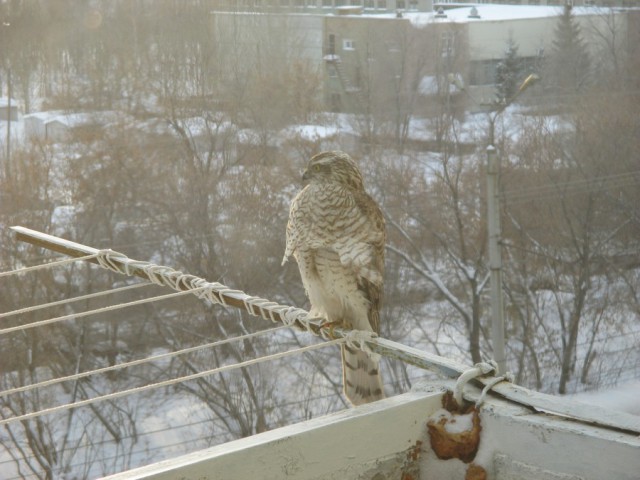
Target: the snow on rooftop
(4, 102)
(488, 13)
(311, 132)
(205, 126)
(74, 119)
(429, 85)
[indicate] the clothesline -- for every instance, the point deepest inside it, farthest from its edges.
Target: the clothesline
(141, 361)
(169, 382)
(291, 317)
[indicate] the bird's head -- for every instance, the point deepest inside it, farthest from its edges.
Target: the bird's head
(333, 167)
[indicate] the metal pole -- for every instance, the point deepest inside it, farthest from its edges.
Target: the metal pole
(9, 93)
(495, 261)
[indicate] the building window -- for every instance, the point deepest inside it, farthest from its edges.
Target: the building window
(335, 102)
(400, 5)
(327, 4)
(483, 72)
(332, 44)
(348, 44)
(332, 71)
(392, 46)
(382, 4)
(413, 5)
(448, 41)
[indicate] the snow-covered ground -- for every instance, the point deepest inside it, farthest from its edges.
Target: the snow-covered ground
(623, 398)
(170, 423)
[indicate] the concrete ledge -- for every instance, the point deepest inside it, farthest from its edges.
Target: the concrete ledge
(373, 438)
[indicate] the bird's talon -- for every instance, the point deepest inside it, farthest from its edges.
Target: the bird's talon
(331, 326)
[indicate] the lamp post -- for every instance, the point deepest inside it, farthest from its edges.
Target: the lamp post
(495, 234)
(493, 224)
(9, 93)
(495, 260)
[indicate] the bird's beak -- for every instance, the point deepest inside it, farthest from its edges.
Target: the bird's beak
(306, 177)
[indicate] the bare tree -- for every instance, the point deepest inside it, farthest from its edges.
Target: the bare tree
(437, 231)
(574, 235)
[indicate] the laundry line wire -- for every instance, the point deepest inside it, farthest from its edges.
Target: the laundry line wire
(80, 298)
(46, 265)
(169, 382)
(166, 276)
(141, 361)
(163, 276)
(108, 308)
(216, 293)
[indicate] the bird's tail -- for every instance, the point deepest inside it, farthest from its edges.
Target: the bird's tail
(362, 382)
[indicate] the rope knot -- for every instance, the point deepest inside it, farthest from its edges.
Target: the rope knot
(478, 370)
(105, 260)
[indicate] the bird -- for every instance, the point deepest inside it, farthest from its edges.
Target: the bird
(336, 233)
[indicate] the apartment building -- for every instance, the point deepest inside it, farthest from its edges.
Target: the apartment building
(374, 61)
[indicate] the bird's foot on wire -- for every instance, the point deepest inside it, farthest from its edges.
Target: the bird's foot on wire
(331, 326)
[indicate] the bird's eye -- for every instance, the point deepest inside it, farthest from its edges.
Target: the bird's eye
(316, 168)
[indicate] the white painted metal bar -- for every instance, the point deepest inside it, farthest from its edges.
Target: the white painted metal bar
(537, 401)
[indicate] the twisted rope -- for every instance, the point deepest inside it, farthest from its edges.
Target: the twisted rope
(214, 292)
(508, 377)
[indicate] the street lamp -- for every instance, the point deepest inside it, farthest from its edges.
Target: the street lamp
(9, 93)
(530, 80)
(495, 233)
(493, 225)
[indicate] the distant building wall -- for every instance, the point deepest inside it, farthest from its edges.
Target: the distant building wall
(294, 36)
(359, 53)
(589, 3)
(323, 6)
(351, 44)
(253, 41)
(633, 52)
(7, 113)
(534, 38)
(34, 126)
(56, 131)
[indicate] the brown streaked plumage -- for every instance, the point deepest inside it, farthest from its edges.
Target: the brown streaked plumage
(336, 233)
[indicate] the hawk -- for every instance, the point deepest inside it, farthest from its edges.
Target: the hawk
(336, 233)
